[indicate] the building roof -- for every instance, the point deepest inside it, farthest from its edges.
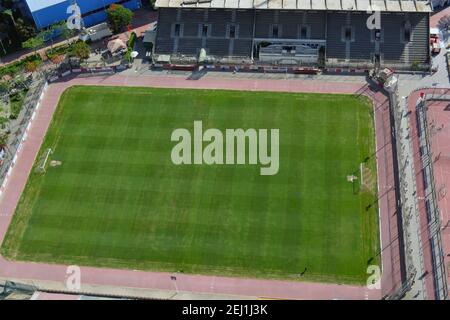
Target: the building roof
(36, 5)
(338, 5)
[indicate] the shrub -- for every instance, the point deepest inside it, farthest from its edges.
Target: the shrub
(16, 100)
(127, 56)
(415, 66)
(14, 68)
(61, 50)
(80, 50)
(3, 122)
(58, 59)
(31, 66)
(132, 40)
(3, 139)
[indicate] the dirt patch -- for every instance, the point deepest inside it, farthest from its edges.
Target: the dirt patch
(55, 163)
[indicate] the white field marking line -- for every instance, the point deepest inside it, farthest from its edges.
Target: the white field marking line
(361, 170)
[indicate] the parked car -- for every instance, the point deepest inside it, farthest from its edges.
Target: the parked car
(435, 45)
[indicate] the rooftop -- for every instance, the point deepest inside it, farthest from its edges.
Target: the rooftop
(36, 5)
(339, 5)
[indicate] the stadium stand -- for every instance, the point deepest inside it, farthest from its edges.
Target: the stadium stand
(293, 31)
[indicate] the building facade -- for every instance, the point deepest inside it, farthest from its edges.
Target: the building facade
(279, 32)
(47, 12)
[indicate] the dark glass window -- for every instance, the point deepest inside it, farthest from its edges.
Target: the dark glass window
(275, 31)
(348, 33)
(205, 30)
(407, 34)
(176, 31)
(232, 31)
(304, 33)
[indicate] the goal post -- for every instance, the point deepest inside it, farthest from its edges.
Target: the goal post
(43, 162)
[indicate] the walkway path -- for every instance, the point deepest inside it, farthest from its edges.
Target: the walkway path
(410, 209)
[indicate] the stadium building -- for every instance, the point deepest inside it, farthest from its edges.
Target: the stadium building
(330, 33)
(44, 13)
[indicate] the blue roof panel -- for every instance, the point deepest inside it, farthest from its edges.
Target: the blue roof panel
(36, 5)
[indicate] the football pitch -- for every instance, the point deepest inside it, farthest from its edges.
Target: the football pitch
(111, 196)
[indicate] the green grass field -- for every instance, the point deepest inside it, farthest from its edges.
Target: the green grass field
(117, 200)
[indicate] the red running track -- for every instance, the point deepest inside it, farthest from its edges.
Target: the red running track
(213, 284)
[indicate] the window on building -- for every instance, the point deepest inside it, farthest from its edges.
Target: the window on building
(275, 31)
(303, 32)
(177, 30)
(348, 34)
(407, 34)
(232, 31)
(205, 30)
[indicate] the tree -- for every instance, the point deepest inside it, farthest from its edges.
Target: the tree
(33, 43)
(152, 4)
(24, 30)
(47, 34)
(5, 87)
(66, 33)
(118, 17)
(3, 139)
(80, 50)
